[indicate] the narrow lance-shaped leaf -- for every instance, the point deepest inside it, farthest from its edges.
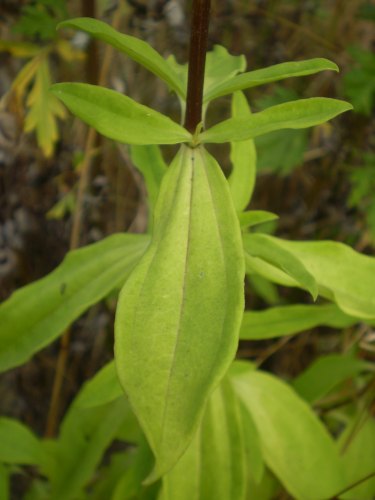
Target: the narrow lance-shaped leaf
(255, 217)
(138, 50)
(343, 275)
(103, 388)
(294, 115)
(269, 75)
(179, 313)
(118, 117)
(289, 320)
(243, 158)
(325, 373)
(37, 313)
(85, 435)
(259, 245)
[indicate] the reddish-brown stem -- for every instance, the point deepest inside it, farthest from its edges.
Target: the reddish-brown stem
(197, 59)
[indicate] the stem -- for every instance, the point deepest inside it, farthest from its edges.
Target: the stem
(197, 59)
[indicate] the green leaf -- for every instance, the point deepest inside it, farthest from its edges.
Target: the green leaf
(182, 305)
(294, 115)
(85, 435)
(38, 313)
(343, 275)
(215, 465)
(359, 460)
(111, 474)
(38, 490)
(289, 320)
(19, 445)
(269, 75)
(243, 158)
(220, 68)
(295, 444)
(4, 482)
(325, 373)
(268, 488)
(150, 162)
(103, 388)
(130, 486)
(44, 109)
(255, 217)
(118, 117)
(136, 49)
(266, 248)
(254, 459)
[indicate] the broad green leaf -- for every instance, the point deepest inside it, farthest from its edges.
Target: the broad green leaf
(243, 158)
(359, 460)
(294, 115)
(182, 306)
(266, 248)
(85, 435)
(269, 75)
(289, 320)
(118, 117)
(295, 444)
(136, 49)
(103, 388)
(38, 313)
(215, 464)
(343, 275)
(150, 162)
(44, 109)
(19, 445)
(325, 373)
(255, 217)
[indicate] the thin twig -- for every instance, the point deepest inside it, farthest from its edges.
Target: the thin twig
(353, 485)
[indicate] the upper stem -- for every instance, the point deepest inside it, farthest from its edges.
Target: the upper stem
(197, 59)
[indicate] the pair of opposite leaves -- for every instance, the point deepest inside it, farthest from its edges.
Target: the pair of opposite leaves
(180, 311)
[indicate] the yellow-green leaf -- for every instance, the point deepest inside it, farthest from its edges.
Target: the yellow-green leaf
(44, 109)
(179, 313)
